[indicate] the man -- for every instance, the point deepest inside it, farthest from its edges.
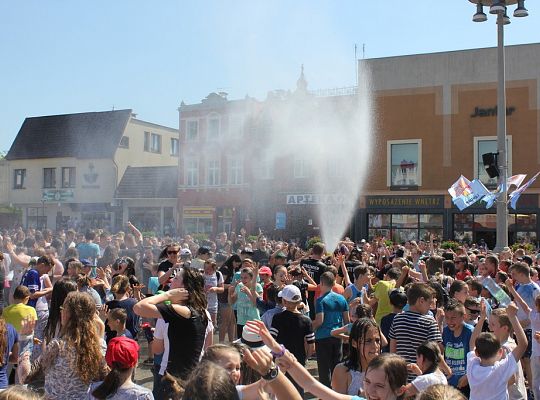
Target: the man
(203, 254)
(261, 254)
(88, 249)
(492, 264)
(315, 268)
(332, 312)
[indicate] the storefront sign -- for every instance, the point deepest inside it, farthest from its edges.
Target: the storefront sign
(313, 198)
(198, 212)
(405, 202)
(490, 112)
(281, 220)
(61, 195)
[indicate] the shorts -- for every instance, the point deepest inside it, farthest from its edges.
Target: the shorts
(528, 352)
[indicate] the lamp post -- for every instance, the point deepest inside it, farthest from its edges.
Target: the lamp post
(499, 7)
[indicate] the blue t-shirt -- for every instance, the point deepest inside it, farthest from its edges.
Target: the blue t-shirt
(528, 292)
(32, 282)
(333, 306)
(88, 250)
(12, 338)
(455, 352)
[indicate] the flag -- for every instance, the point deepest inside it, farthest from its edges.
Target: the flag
(514, 196)
(516, 180)
(474, 192)
(460, 187)
(490, 198)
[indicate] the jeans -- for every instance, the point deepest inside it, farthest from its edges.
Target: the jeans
(328, 356)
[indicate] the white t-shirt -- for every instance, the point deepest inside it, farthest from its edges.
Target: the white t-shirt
(422, 382)
(534, 317)
(489, 382)
(518, 390)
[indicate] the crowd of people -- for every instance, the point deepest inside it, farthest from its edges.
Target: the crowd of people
(255, 318)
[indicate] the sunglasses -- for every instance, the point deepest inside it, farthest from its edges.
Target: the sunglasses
(473, 311)
(172, 251)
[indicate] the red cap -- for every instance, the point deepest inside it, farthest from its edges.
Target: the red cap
(265, 271)
(122, 352)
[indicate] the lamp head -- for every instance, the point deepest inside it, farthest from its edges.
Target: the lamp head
(521, 11)
(480, 16)
(497, 6)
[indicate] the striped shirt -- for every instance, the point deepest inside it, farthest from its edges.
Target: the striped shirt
(410, 329)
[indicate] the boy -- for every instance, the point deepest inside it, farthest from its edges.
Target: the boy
(116, 319)
(362, 277)
(398, 299)
(456, 337)
(488, 371)
(332, 311)
(381, 290)
(292, 329)
(19, 311)
(472, 310)
(414, 327)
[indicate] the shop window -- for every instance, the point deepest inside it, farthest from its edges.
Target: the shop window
(404, 220)
(485, 221)
(463, 222)
(379, 220)
(192, 131)
(49, 178)
(526, 221)
(377, 233)
(197, 225)
(404, 227)
(404, 159)
(488, 144)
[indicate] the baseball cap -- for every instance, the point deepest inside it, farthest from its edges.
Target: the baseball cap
(280, 255)
(185, 252)
(122, 352)
(290, 293)
(86, 262)
(251, 340)
(265, 271)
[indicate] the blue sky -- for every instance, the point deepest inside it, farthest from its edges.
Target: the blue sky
(72, 56)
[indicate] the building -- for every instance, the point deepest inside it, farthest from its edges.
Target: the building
(436, 116)
(65, 169)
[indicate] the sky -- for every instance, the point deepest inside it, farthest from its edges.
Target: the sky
(68, 56)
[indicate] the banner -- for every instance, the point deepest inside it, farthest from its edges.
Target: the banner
(514, 196)
(465, 193)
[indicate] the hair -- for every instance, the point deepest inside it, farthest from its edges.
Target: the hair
(47, 260)
(454, 305)
(456, 286)
(272, 293)
(502, 317)
(318, 249)
(71, 252)
(393, 273)
(418, 290)
(120, 285)
(215, 352)
(434, 265)
(475, 285)
(492, 260)
(449, 268)
(360, 270)
(363, 311)
(398, 298)
(110, 254)
(130, 269)
(465, 261)
(76, 264)
(431, 352)
(21, 292)
(229, 262)
(164, 250)
(471, 301)
(83, 280)
(328, 279)
(209, 381)
(503, 276)
(3, 341)
(80, 333)
(58, 295)
(90, 235)
(114, 379)
(193, 282)
(359, 329)
(19, 392)
(394, 367)
(487, 345)
(118, 314)
(521, 268)
(248, 271)
(441, 392)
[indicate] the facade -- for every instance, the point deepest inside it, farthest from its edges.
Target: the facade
(64, 169)
(436, 116)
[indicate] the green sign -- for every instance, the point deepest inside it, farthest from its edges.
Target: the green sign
(60, 195)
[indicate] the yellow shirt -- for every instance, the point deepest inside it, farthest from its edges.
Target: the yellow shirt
(15, 313)
(382, 290)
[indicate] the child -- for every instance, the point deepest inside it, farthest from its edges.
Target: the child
(213, 284)
(116, 319)
(413, 327)
(362, 277)
(398, 299)
(386, 377)
(456, 337)
(488, 371)
(365, 345)
(19, 311)
(245, 298)
(362, 311)
(472, 310)
(381, 290)
(428, 357)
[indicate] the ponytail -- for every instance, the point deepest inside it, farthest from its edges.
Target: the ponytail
(111, 383)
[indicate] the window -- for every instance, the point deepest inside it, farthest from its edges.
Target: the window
(192, 172)
(404, 159)
(404, 227)
(192, 131)
(19, 176)
(146, 141)
(124, 142)
(155, 144)
(213, 173)
(488, 144)
(49, 178)
(174, 147)
(265, 168)
(213, 128)
(301, 168)
(236, 171)
(236, 126)
(68, 177)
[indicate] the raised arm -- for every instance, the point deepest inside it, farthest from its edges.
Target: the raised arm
(478, 328)
(518, 299)
(521, 338)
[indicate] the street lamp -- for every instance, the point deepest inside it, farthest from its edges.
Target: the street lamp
(499, 7)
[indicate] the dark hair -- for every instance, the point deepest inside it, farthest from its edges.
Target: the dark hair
(394, 367)
(449, 268)
(431, 352)
(48, 261)
(114, 379)
(58, 295)
(487, 345)
(119, 314)
(357, 338)
(456, 286)
(164, 250)
(393, 273)
(521, 268)
(475, 285)
(90, 235)
(209, 381)
(193, 282)
(229, 263)
(328, 279)
(318, 249)
(360, 270)
(454, 305)
(363, 311)
(434, 265)
(398, 298)
(272, 293)
(418, 290)
(21, 292)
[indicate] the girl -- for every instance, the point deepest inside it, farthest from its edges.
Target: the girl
(59, 294)
(121, 290)
(73, 361)
(245, 294)
(428, 357)
(386, 377)
(213, 284)
(9, 350)
(227, 326)
(459, 291)
(364, 345)
(122, 355)
(280, 276)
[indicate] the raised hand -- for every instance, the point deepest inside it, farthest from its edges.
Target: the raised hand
(27, 326)
(260, 360)
(260, 329)
(177, 295)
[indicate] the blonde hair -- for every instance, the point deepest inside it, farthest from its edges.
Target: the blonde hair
(441, 392)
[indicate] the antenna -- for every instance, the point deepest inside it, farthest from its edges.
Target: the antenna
(363, 50)
(356, 64)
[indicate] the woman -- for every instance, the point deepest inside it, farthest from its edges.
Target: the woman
(110, 254)
(9, 350)
(59, 294)
(122, 355)
(227, 325)
(187, 318)
(170, 256)
(121, 290)
(124, 266)
(71, 362)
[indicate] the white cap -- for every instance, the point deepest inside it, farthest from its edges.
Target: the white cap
(185, 252)
(290, 293)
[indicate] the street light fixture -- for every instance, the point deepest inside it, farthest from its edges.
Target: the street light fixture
(499, 7)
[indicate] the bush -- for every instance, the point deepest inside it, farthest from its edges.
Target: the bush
(528, 247)
(450, 244)
(389, 243)
(252, 238)
(311, 242)
(200, 237)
